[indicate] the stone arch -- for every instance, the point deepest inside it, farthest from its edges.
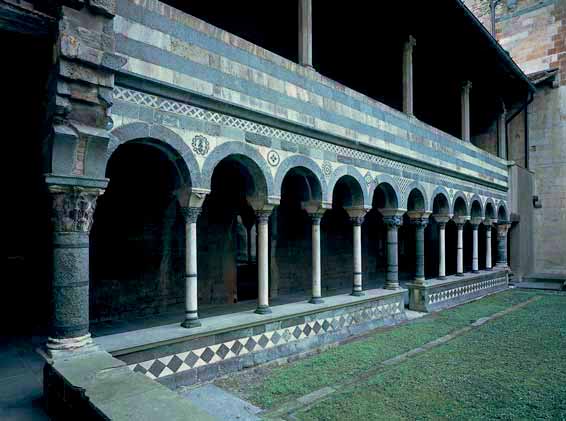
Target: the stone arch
(260, 170)
(489, 209)
(442, 203)
(415, 186)
(502, 212)
(298, 161)
(387, 179)
(165, 140)
(385, 196)
(459, 205)
(354, 174)
(476, 208)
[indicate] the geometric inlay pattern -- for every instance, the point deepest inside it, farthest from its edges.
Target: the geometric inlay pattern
(449, 294)
(177, 363)
(181, 108)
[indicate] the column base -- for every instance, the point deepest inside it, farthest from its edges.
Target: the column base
(460, 274)
(316, 300)
(263, 310)
(419, 281)
(357, 294)
(190, 323)
(392, 286)
(441, 277)
(488, 269)
(68, 344)
(59, 349)
(475, 271)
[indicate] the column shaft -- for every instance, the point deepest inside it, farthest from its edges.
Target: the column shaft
(408, 100)
(191, 275)
(262, 263)
(502, 244)
(488, 247)
(357, 227)
(392, 280)
(442, 251)
(305, 33)
(465, 97)
(316, 262)
(502, 135)
(460, 255)
(475, 257)
(420, 225)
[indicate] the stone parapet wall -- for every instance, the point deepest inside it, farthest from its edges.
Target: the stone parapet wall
(438, 294)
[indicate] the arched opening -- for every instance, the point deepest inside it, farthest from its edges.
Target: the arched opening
(460, 210)
(291, 237)
(337, 240)
(137, 243)
(476, 214)
(490, 219)
(227, 232)
(416, 207)
(440, 211)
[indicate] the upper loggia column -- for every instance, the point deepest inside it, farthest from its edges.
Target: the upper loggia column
(305, 33)
(316, 261)
(72, 215)
(502, 228)
(488, 263)
(420, 222)
(460, 246)
(502, 133)
(190, 215)
(392, 221)
(408, 91)
(441, 221)
(357, 218)
(263, 260)
(475, 244)
(465, 107)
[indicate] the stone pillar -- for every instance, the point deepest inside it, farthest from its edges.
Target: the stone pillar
(72, 214)
(263, 261)
(488, 263)
(502, 133)
(441, 220)
(475, 257)
(502, 228)
(190, 215)
(316, 262)
(305, 33)
(420, 225)
(465, 97)
(392, 223)
(357, 222)
(408, 100)
(460, 254)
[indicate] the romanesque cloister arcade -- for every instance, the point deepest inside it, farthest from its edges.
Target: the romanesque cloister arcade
(168, 234)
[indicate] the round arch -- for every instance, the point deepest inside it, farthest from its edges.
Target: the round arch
(443, 207)
(489, 209)
(296, 162)
(348, 170)
(415, 186)
(476, 208)
(462, 196)
(502, 211)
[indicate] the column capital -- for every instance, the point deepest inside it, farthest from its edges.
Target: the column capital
(262, 216)
(357, 215)
(410, 43)
(392, 221)
(466, 85)
(460, 221)
(419, 222)
(190, 214)
(502, 228)
(73, 207)
(316, 218)
(191, 197)
(357, 220)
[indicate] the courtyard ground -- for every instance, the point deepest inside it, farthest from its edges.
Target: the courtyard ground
(501, 357)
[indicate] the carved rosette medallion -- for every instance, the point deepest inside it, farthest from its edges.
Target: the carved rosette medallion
(200, 145)
(73, 208)
(327, 169)
(273, 158)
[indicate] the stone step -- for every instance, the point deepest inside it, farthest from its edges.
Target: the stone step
(553, 286)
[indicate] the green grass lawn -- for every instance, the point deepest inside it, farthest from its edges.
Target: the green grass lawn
(510, 368)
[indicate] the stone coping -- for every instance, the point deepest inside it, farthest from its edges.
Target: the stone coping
(453, 279)
(138, 340)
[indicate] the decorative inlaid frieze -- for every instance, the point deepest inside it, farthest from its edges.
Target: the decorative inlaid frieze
(171, 106)
(177, 363)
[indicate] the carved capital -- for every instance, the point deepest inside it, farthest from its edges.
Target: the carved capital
(316, 218)
(73, 207)
(357, 220)
(392, 222)
(410, 43)
(502, 228)
(442, 225)
(419, 222)
(190, 214)
(460, 225)
(262, 216)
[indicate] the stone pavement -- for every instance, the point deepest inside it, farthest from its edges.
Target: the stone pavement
(21, 378)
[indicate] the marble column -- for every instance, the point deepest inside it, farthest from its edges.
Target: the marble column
(357, 222)
(465, 99)
(420, 225)
(460, 254)
(502, 134)
(392, 223)
(72, 215)
(502, 228)
(442, 249)
(488, 263)
(475, 257)
(190, 215)
(305, 33)
(263, 261)
(408, 100)
(316, 262)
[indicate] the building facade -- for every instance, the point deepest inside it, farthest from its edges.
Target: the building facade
(188, 169)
